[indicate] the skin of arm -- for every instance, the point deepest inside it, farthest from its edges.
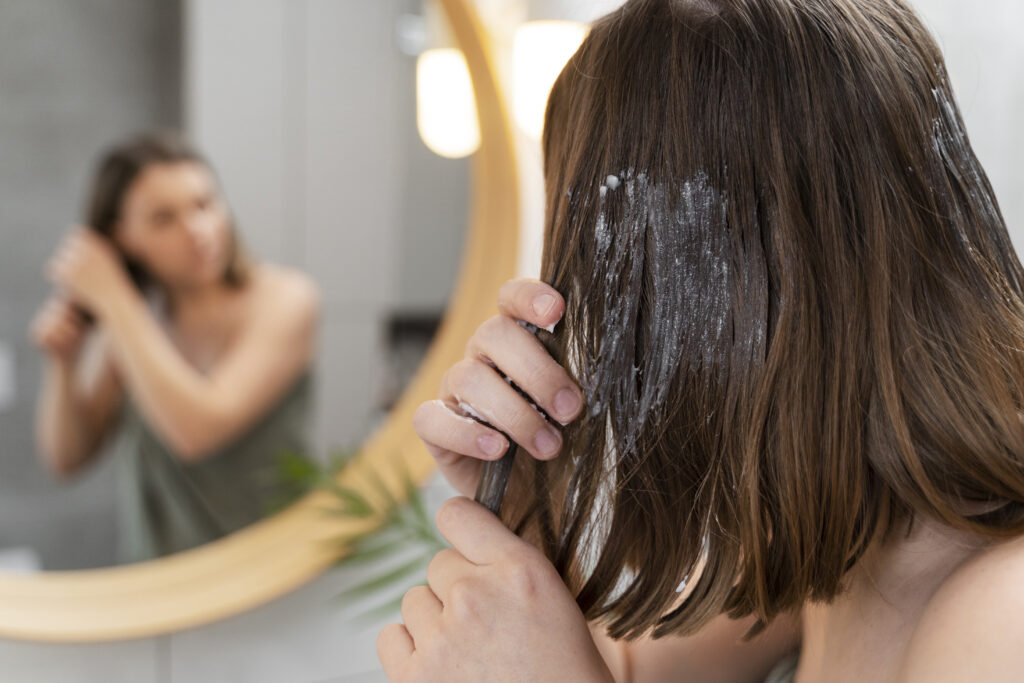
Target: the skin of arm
(76, 405)
(197, 413)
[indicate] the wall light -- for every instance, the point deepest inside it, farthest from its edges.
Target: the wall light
(541, 50)
(445, 105)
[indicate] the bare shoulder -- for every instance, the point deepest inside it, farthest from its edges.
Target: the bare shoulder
(286, 296)
(973, 628)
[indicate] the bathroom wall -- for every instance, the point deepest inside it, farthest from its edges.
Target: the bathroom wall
(307, 109)
(73, 76)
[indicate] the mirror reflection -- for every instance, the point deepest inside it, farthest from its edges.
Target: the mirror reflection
(224, 240)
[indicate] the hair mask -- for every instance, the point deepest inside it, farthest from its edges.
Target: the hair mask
(672, 248)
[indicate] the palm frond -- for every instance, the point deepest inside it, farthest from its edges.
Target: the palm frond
(406, 529)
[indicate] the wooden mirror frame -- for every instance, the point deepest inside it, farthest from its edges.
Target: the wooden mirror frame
(281, 553)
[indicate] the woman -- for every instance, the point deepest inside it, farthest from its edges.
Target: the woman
(210, 351)
(796, 316)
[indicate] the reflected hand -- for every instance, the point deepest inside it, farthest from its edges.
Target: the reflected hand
(495, 610)
(58, 329)
(473, 385)
(88, 268)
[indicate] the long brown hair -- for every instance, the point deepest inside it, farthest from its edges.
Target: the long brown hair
(792, 302)
(118, 168)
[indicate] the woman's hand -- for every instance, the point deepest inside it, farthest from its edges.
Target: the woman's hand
(495, 610)
(59, 329)
(88, 268)
(473, 385)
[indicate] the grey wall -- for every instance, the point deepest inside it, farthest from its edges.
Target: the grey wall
(307, 108)
(74, 75)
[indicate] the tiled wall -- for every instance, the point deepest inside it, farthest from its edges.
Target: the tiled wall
(73, 76)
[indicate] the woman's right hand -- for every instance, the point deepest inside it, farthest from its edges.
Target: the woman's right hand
(474, 386)
(59, 328)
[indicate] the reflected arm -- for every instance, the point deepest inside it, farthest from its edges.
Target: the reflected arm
(76, 406)
(196, 413)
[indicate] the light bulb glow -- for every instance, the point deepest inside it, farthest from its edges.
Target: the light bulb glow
(445, 105)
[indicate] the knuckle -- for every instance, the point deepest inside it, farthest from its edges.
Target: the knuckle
(434, 564)
(446, 379)
(384, 637)
(522, 579)
(524, 421)
(491, 330)
(447, 515)
(483, 338)
(408, 602)
(432, 569)
(464, 600)
(509, 291)
(537, 373)
(526, 575)
(421, 418)
(463, 374)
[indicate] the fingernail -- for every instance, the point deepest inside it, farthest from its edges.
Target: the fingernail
(547, 441)
(491, 444)
(566, 403)
(542, 304)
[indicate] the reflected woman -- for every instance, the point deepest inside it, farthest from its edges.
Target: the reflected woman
(163, 339)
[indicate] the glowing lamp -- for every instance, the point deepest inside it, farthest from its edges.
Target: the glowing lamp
(445, 106)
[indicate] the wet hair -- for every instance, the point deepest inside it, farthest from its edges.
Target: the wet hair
(118, 168)
(792, 303)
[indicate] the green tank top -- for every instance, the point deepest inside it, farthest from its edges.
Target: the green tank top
(165, 505)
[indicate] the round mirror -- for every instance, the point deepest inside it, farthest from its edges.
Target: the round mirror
(306, 112)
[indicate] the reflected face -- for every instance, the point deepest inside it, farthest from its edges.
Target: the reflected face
(175, 224)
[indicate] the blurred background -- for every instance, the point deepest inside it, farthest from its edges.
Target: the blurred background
(340, 131)
(307, 111)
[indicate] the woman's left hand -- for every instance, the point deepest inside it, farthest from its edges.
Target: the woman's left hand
(88, 268)
(495, 610)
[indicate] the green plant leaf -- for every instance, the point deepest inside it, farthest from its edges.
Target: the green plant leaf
(386, 609)
(384, 580)
(375, 551)
(406, 527)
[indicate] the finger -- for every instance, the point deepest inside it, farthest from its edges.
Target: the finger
(531, 300)
(79, 235)
(421, 613)
(62, 338)
(437, 423)
(446, 568)
(64, 346)
(520, 356)
(480, 391)
(58, 268)
(476, 533)
(75, 321)
(71, 312)
(394, 647)
(462, 472)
